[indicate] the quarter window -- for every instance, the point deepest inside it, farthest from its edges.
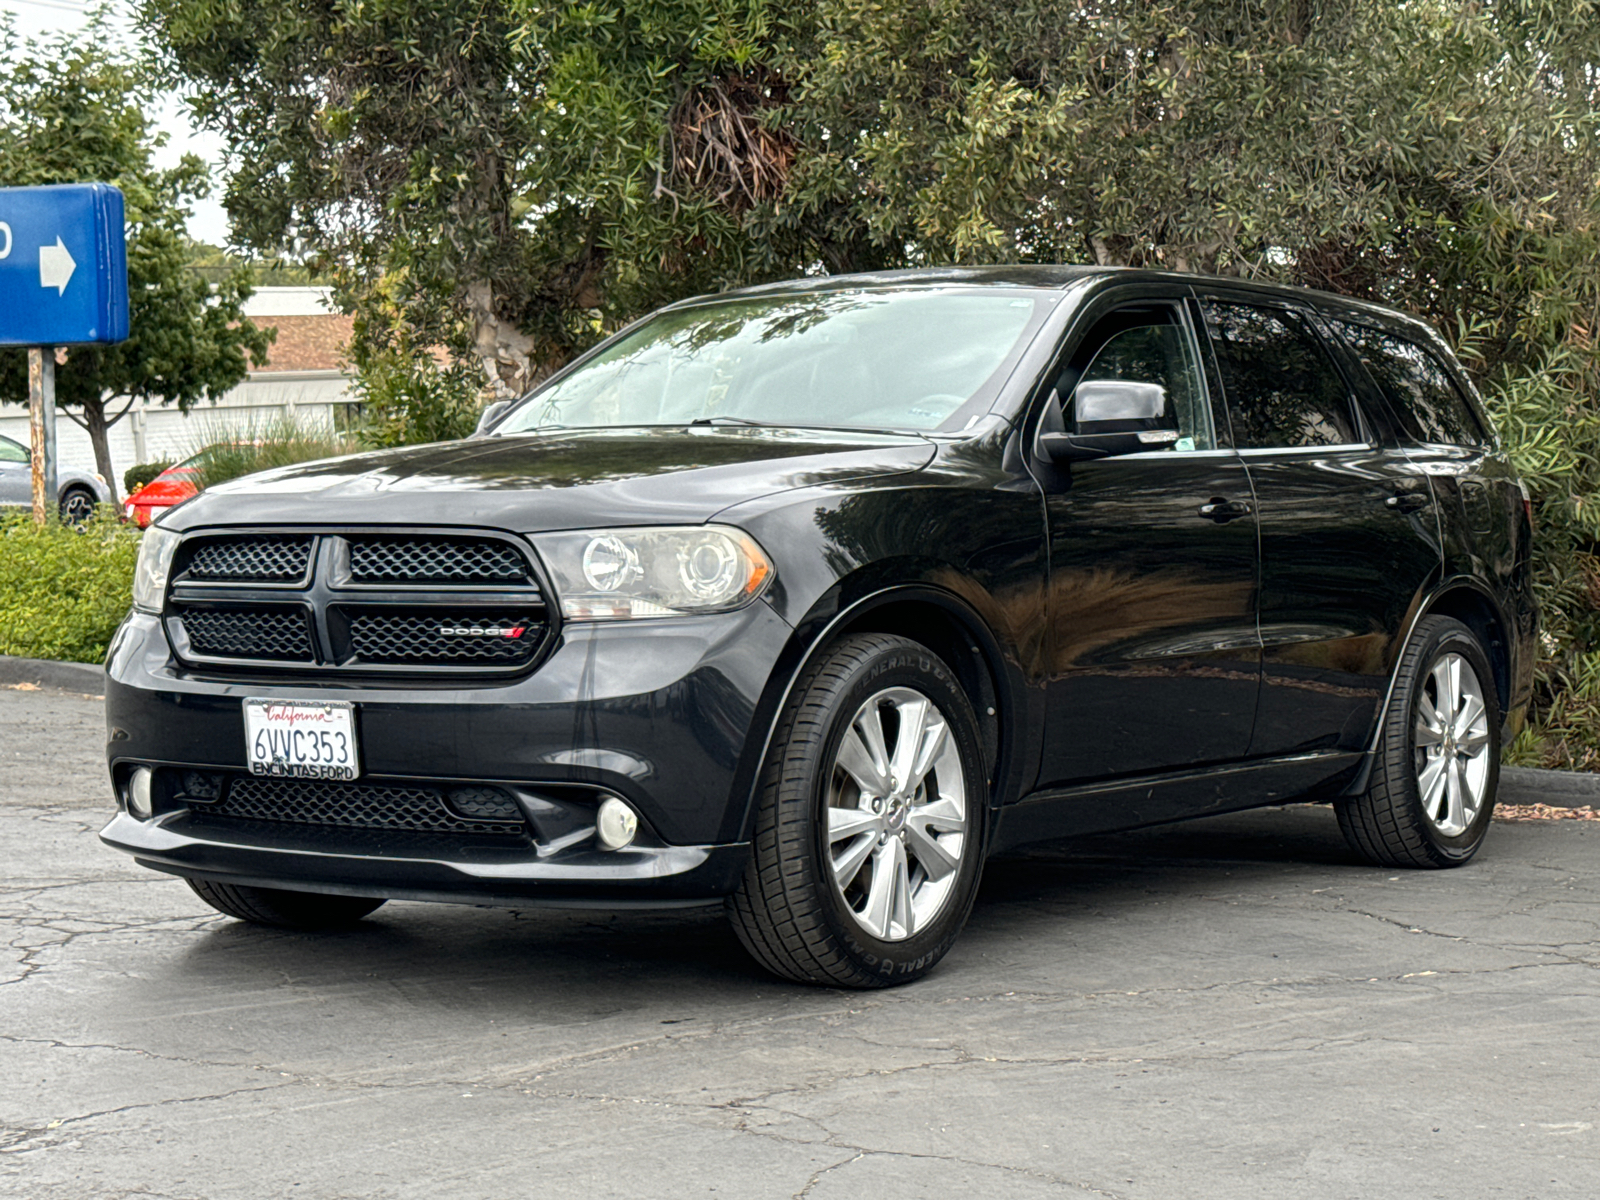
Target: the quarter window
(1430, 406)
(1283, 389)
(11, 452)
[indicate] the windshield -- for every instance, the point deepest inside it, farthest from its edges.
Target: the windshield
(912, 358)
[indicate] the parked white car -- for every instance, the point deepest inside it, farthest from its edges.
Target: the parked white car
(79, 491)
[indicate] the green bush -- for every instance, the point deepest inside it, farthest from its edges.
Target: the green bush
(411, 398)
(135, 478)
(226, 455)
(63, 591)
(1549, 417)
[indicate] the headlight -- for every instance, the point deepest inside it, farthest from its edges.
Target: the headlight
(156, 549)
(622, 574)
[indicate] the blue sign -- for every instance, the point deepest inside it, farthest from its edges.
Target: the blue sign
(63, 266)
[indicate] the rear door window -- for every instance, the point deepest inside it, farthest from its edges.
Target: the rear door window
(1283, 388)
(1427, 400)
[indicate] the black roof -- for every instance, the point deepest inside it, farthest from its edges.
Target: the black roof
(1047, 275)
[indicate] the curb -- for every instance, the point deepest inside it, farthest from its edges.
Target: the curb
(83, 678)
(1558, 789)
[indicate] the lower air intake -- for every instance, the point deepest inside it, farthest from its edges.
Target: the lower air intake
(359, 806)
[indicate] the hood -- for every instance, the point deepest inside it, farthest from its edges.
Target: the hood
(567, 479)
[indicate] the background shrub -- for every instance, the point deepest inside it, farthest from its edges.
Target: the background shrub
(228, 454)
(136, 477)
(64, 591)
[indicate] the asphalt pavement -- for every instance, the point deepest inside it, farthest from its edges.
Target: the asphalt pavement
(1231, 1008)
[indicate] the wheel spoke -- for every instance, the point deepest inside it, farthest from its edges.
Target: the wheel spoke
(933, 739)
(1430, 782)
(1456, 786)
(848, 865)
(1471, 709)
(943, 814)
(908, 741)
(869, 724)
(1444, 692)
(1474, 742)
(1427, 732)
(925, 848)
(1427, 714)
(904, 915)
(847, 822)
(858, 761)
(881, 893)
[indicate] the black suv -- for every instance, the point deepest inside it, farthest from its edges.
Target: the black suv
(811, 596)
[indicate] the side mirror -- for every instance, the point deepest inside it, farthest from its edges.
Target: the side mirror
(489, 416)
(1104, 409)
(1096, 402)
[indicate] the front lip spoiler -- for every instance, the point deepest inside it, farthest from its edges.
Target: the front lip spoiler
(638, 877)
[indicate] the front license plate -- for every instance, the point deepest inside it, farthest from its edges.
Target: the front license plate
(301, 739)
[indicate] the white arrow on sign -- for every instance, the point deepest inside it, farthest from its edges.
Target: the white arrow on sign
(55, 267)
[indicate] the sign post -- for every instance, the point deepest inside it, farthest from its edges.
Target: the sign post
(63, 282)
(42, 427)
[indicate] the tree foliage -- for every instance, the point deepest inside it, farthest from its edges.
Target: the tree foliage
(510, 179)
(73, 111)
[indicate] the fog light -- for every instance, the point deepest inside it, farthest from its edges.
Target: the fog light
(139, 793)
(615, 823)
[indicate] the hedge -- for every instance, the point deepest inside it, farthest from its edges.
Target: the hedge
(64, 591)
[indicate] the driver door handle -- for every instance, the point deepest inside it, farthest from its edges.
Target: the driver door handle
(1222, 511)
(1408, 501)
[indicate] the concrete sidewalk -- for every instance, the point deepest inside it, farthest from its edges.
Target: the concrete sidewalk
(1228, 1009)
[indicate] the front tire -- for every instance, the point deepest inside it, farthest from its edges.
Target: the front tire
(1432, 791)
(870, 828)
(306, 911)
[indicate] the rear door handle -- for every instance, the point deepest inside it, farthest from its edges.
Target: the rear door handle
(1407, 502)
(1221, 511)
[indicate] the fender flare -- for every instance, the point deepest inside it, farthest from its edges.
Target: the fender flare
(816, 631)
(1423, 608)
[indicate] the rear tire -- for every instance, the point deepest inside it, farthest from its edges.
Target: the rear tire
(871, 820)
(1431, 794)
(283, 909)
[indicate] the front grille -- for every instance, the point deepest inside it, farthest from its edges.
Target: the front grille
(354, 806)
(443, 637)
(281, 634)
(267, 558)
(368, 601)
(435, 560)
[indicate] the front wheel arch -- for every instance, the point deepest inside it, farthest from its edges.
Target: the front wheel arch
(942, 617)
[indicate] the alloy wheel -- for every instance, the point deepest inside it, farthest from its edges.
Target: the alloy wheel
(77, 507)
(897, 814)
(1451, 745)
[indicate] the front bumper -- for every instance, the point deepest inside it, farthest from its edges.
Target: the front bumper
(414, 868)
(663, 714)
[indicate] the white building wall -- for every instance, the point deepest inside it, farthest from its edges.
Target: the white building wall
(156, 432)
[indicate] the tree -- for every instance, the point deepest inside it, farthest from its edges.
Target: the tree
(72, 111)
(1441, 156)
(506, 179)
(513, 178)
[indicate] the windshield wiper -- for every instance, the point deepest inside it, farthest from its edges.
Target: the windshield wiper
(736, 421)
